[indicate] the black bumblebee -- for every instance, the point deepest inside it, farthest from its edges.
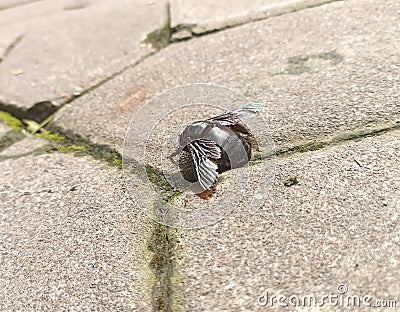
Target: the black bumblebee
(209, 147)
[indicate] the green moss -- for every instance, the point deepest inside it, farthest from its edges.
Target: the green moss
(117, 161)
(162, 245)
(172, 195)
(10, 121)
(48, 135)
(72, 148)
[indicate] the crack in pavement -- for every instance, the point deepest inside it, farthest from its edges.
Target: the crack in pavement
(163, 241)
(11, 47)
(159, 38)
(42, 110)
(337, 139)
(163, 244)
(66, 140)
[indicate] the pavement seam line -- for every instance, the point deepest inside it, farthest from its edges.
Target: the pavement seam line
(11, 47)
(163, 242)
(161, 37)
(9, 138)
(31, 113)
(337, 139)
(69, 140)
(163, 245)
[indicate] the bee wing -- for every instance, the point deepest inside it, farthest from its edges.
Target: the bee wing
(203, 151)
(233, 117)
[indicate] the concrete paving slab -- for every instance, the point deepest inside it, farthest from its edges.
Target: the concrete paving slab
(19, 17)
(210, 15)
(37, 9)
(319, 70)
(8, 137)
(339, 224)
(7, 41)
(4, 129)
(70, 237)
(7, 4)
(74, 48)
(22, 147)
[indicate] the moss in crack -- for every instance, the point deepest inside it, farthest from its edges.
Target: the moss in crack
(163, 246)
(117, 161)
(11, 121)
(337, 139)
(76, 149)
(66, 141)
(161, 37)
(48, 135)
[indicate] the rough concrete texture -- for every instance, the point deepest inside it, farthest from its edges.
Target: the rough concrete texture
(3, 129)
(70, 237)
(38, 9)
(22, 147)
(7, 4)
(338, 225)
(74, 47)
(209, 15)
(319, 70)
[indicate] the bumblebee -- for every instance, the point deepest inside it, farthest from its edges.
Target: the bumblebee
(209, 147)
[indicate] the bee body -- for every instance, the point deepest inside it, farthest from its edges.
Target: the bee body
(225, 138)
(209, 147)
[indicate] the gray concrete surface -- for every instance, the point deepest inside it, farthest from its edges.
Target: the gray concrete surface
(36, 9)
(26, 145)
(338, 225)
(319, 71)
(7, 4)
(73, 48)
(210, 15)
(4, 129)
(70, 235)
(70, 239)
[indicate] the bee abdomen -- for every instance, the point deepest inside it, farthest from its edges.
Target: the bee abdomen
(186, 166)
(225, 163)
